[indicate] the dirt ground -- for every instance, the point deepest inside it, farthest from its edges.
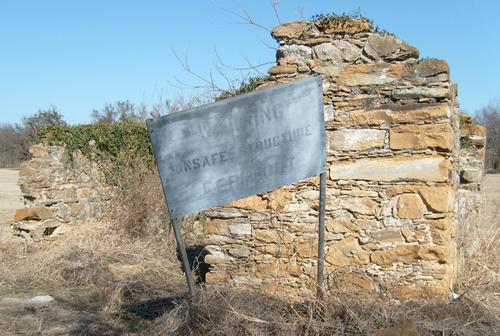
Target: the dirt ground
(10, 195)
(65, 316)
(10, 200)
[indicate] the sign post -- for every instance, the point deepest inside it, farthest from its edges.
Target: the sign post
(182, 251)
(241, 146)
(321, 234)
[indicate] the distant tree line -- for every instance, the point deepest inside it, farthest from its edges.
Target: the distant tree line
(17, 138)
(489, 116)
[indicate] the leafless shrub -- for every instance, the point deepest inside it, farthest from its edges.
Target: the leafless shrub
(125, 109)
(121, 110)
(140, 209)
(177, 104)
(16, 139)
(9, 146)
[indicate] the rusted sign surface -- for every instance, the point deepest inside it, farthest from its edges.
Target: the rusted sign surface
(221, 152)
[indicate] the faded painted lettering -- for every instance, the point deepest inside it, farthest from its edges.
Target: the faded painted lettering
(241, 146)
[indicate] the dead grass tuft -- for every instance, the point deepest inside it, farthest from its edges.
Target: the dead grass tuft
(81, 260)
(234, 312)
(479, 258)
(139, 209)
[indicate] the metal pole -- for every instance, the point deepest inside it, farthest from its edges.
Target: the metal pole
(184, 257)
(175, 225)
(321, 234)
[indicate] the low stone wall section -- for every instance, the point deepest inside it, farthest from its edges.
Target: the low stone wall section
(472, 158)
(59, 190)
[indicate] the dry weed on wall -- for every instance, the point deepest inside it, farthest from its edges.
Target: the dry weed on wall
(140, 209)
(140, 206)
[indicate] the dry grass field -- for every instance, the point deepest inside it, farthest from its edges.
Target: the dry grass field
(96, 294)
(492, 198)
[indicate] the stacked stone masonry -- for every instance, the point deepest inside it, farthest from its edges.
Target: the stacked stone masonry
(404, 171)
(472, 156)
(59, 190)
(395, 166)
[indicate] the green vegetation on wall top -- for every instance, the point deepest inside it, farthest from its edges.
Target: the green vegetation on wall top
(330, 17)
(325, 18)
(111, 145)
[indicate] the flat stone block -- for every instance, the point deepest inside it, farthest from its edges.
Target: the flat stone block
(356, 139)
(422, 136)
(371, 74)
(421, 168)
(35, 213)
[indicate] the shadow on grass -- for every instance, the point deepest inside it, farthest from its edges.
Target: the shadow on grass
(152, 309)
(130, 319)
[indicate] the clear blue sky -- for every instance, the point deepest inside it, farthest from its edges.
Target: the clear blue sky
(78, 55)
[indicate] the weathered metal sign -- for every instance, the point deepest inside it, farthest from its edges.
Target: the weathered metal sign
(224, 151)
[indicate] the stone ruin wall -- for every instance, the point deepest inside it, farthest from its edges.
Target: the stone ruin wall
(472, 158)
(59, 190)
(398, 180)
(395, 166)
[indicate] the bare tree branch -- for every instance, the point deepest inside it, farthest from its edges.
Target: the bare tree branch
(268, 45)
(222, 67)
(256, 67)
(245, 17)
(276, 4)
(185, 65)
(301, 11)
(233, 68)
